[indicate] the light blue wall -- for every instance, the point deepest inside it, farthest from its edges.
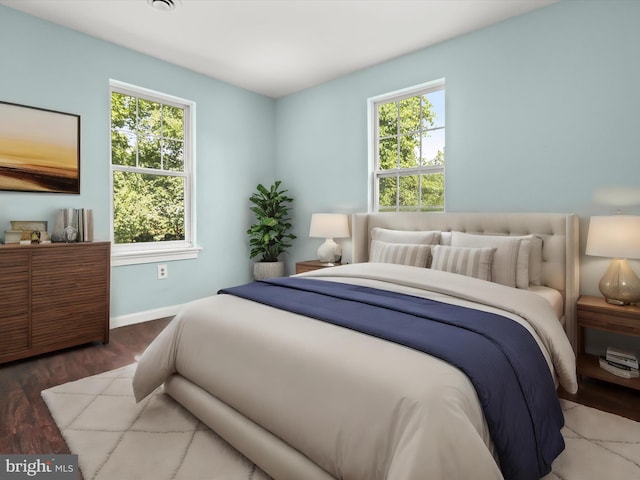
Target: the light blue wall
(51, 67)
(541, 111)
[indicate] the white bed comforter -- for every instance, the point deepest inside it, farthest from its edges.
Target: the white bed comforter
(359, 407)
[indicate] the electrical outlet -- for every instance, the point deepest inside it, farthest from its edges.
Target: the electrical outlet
(163, 272)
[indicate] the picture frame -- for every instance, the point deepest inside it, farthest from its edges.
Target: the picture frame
(39, 150)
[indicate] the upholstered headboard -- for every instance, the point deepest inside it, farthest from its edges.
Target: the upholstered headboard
(559, 233)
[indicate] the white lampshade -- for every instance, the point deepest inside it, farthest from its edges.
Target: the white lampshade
(329, 226)
(618, 237)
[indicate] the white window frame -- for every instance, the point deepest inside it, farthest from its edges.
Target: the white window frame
(150, 252)
(372, 112)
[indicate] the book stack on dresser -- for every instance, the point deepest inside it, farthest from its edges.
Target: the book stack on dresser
(620, 362)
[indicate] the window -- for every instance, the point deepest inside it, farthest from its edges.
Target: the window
(151, 176)
(408, 149)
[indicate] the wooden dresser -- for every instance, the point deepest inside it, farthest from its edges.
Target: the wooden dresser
(53, 296)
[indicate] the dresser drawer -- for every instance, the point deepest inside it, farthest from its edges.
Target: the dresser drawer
(14, 284)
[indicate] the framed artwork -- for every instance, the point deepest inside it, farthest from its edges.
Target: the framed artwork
(39, 150)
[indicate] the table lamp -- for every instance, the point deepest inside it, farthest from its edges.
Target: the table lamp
(616, 236)
(329, 226)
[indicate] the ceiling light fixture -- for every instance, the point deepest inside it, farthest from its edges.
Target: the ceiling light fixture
(164, 5)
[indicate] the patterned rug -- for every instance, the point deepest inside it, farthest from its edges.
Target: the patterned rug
(115, 438)
(599, 446)
(156, 439)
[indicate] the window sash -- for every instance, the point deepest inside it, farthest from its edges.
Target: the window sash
(398, 206)
(374, 141)
(131, 253)
(148, 171)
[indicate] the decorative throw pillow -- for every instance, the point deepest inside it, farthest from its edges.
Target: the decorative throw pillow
(426, 237)
(472, 262)
(400, 253)
(535, 260)
(529, 266)
(522, 267)
(505, 259)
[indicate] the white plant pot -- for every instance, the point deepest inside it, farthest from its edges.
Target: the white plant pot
(264, 270)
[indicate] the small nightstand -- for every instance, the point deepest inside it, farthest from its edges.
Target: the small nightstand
(595, 312)
(309, 265)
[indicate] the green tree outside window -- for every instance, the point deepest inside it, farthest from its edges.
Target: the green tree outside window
(410, 151)
(147, 156)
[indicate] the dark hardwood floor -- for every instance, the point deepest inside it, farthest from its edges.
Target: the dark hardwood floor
(26, 427)
(606, 396)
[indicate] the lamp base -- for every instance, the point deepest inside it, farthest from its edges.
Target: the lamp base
(620, 285)
(328, 251)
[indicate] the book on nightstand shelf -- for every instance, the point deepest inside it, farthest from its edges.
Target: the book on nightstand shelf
(618, 370)
(622, 357)
(619, 362)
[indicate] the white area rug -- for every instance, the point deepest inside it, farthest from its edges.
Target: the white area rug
(599, 446)
(157, 439)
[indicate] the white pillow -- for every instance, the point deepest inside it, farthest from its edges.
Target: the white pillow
(400, 253)
(529, 269)
(505, 258)
(522, 267)
(472, 262)
(445, 238)
(535, 260)
(426, 237)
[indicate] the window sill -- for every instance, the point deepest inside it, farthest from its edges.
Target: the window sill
(152, 256)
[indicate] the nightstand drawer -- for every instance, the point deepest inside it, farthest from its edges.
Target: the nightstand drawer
(628, 326)
(310, 265)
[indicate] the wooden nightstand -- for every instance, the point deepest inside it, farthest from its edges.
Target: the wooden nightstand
(595, 312)
(309, 265)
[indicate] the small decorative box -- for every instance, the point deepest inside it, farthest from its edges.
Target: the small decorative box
(12, 236)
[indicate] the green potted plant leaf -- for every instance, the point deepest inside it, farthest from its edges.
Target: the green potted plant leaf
(270, 236)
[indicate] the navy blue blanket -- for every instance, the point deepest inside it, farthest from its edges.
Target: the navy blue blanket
(500, 357)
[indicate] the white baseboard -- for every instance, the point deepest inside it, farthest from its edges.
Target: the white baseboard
(147, 315)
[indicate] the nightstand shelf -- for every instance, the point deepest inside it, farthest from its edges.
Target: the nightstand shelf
(589, 366)
(596, 313)
(310, 265)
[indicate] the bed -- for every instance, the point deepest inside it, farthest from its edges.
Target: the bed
(310, 399)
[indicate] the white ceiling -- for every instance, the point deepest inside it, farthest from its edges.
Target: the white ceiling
(276, 47)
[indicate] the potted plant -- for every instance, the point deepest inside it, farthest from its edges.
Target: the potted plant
(269, 236)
